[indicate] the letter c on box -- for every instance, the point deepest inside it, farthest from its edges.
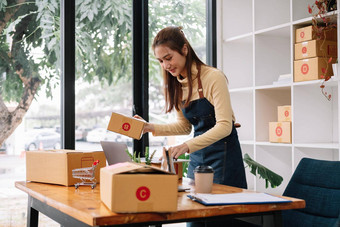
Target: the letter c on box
(143, 193)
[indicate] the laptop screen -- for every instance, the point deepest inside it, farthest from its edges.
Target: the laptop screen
(115, 152)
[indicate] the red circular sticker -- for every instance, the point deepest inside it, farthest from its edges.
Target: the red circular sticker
(302, 34)
(304, 69)
(143, 193)
(278, 131)
(286, 113)
(304, 50)
(126, 126)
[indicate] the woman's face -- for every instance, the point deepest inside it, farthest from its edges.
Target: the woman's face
(171, 60)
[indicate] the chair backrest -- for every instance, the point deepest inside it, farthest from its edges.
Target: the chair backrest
(318, 183)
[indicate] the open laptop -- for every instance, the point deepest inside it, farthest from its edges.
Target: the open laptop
(115, 152)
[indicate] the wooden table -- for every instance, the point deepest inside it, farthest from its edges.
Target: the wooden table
(83, 207)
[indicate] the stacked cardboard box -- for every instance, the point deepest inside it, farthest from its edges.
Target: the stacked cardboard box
(281, 131)
(312, 56)
(55, 166)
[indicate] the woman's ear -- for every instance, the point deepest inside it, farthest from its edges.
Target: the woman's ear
(185, 50)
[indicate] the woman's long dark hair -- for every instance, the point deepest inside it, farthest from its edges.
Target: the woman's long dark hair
(173, 37)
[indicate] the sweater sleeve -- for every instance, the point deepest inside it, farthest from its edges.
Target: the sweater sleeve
(218, 95)
(181, 127)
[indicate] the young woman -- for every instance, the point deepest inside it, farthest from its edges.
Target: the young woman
(199, 95)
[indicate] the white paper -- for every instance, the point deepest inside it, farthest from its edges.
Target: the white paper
(237, 198)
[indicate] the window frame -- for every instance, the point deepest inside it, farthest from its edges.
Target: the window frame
(140, 64)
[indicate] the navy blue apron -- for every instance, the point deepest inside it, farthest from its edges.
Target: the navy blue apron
(225, 155)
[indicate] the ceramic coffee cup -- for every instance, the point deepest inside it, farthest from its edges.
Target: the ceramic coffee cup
(204, 176)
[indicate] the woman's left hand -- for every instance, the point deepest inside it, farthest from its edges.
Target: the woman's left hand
(177, 151)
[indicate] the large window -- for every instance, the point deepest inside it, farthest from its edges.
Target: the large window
(29, 93)
(103, 70)
(190, 14)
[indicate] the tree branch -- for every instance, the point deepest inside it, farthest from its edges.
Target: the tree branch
(25, 80)
(9, 14)
(11, 120)
(3, 107)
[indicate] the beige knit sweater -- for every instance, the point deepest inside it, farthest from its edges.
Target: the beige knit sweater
(215, 90)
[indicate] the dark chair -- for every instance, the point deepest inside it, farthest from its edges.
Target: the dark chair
(318, 183)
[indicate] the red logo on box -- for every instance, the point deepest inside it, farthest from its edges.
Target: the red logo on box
(143, 193)
(278, 131)
(126, 126)
(304, 68)
(304, 50)
(286, 113)
(302, 34)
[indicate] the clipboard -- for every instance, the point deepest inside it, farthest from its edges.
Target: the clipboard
(236, 198)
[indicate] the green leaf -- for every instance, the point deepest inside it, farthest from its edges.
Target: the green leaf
(128, 153)
(147, 160)
(268, 175)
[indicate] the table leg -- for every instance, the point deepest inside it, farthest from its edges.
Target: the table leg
(278, 219)
(32, 214)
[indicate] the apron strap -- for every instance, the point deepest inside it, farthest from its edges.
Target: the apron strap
(200, 88)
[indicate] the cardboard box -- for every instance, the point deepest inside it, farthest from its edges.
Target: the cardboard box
(312, 69)
(307, 33)
(132, 188)
(55, 166)
(127, 126)
(280, 132)
(284, 113)
(315, 48)
(178, 167)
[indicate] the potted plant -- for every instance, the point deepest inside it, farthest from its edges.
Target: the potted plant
(322, 23)
(136, 158)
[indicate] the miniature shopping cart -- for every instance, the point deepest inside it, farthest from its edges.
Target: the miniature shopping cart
(86, 175)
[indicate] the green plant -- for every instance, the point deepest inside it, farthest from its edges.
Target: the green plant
(322, 23)
(265, 173)
(147, 159)
(136, 158)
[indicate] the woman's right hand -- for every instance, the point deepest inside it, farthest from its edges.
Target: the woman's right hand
(148, 127)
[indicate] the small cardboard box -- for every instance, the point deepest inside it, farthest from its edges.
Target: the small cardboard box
(280, 132)
(307, 33)
(127, 126)
(132, 188)
(284, 113)
(312, 69)
(315, 48)
(55, 166)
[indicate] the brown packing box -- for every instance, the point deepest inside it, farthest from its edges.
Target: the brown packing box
(311, 68)
(284, 113)
(280, 132)
(315, 48)
(307, 33)
(127, 126)
(178, 168)
(132, 188)
(55, 166)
